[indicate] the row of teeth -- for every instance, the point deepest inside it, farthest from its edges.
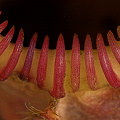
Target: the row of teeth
(59, 67)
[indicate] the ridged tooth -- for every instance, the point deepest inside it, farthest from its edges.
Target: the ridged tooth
(6, 40)
(118, 31)
(29, 57)
(89, 63)
(114, 46)
(3, 25)
(42, 65)
(7, 70)
(75, 64)
(59, 69)
(112, 78)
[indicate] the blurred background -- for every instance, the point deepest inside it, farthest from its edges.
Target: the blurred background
(52, 17)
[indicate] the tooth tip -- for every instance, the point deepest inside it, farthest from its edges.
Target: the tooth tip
(60, 35)
(60, 39)
(47, 37)
(75, 35)
(13, 27)
(118, 28)
(88, 39)
(21, 31)
(76, 40)
(6, 22)
(118, 31)
(99, 36)
(36, 34)
(88, 36)
(109, 33)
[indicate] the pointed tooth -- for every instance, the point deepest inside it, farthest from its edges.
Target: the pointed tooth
(89, 63)
(42, 65)
(6, 40)
(7, 70)
(3, 25)
(59, 69)
(75, 64)
(114, 46)
(105, 63)
(29, 57)
(118, 31)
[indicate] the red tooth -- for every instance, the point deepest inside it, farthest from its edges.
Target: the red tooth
(89, 63)
(118, 31)
(7, 70)
(105, 63)
(42, 65)
(75, 64)
(3, 25)
(114, 46)
(6, 40)
(28, 61)
(0, 12)
(59, 69)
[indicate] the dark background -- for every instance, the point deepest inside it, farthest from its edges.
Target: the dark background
(51, 17)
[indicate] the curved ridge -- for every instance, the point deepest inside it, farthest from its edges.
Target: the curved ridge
(7, 70)
(29, 57)
(3, 25)
(59, 69)
(114, 46)
(6, 40)
(112, 78)
(42, 65)
(89, 63)
(75, 64)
